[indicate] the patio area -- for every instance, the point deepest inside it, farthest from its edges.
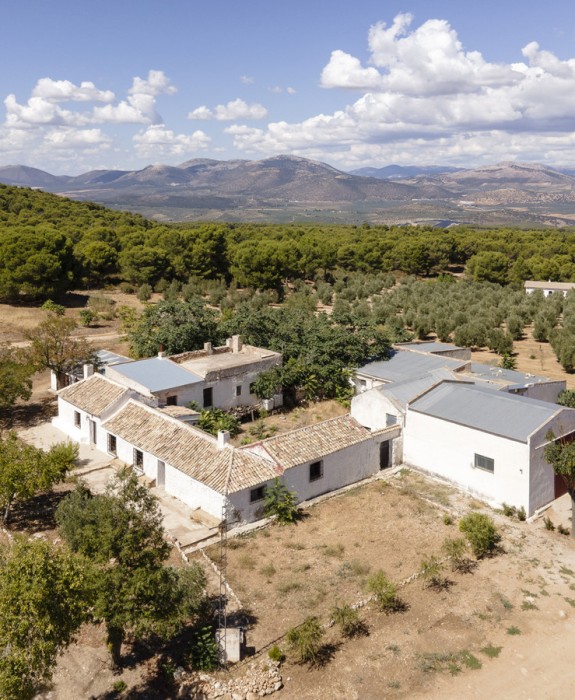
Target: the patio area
(189, 528)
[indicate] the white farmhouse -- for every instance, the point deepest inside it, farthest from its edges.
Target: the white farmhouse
(548, 288)
(488, 442)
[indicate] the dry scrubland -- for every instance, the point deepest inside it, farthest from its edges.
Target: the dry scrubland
(283, 574)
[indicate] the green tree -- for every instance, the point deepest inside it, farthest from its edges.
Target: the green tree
(52, 346)
(177, 325)
(121, 531)
(560, 453)
(281, 503)
(489, 266)
(45, 595)
(212, 420)
(567, 398)
(15, 376)
(25, 470)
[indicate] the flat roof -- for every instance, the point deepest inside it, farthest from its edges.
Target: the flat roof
(406, 391)
(431, 346)
(109, 358)
(404, 365)
(496, 412)
(204, 364)
(563, 286)
(506, 377)
(157, 373)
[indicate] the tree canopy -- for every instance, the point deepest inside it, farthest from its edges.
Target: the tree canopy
(121, 532)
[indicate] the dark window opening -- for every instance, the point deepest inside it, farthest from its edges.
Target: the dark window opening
(77, 419)
(384, 455)
(171, 401)
(138, 460)
(315, 471)
(238, 391)
(257, 494)
(208, 397)
(112, 444)
(485, 463)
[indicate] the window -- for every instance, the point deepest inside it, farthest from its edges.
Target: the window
(315, 471)
(138, 460)
(112, 444)
(171, 400)
(77, 419)
(485, 463)
(208, 398)
(238, 390)
(257, 494)
(390, 419)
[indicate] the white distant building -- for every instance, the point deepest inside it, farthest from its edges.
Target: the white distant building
(548, 288)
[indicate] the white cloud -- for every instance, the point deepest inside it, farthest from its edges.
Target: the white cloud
(291, 91)
(65, 91)
(247, 80)
(156, 141)
(345, 71)
(77, 138)
(157, 83)
(235, 109)
(202, 112)
(426, 99)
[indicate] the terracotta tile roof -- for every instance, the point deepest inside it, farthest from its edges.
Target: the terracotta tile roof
(314, 441)
(93, 395)
(190, 450)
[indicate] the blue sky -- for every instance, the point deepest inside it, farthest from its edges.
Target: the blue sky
(127, 83)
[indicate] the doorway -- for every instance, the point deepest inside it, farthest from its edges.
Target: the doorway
(385, 454)
(161, 475)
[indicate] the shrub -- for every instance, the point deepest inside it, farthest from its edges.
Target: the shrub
(280, 503)
(276, 654)
(456, 549)
(57, 309)
(205, 655)
(447, 519)
(481, 533)
(144, 293)
(214, 419)
(384, 592)
(87, 316)
(431, 572)
(548, 524)
(562, 530)
(305, 641)
(349, 621)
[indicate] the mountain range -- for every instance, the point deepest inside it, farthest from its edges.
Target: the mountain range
(289, 188)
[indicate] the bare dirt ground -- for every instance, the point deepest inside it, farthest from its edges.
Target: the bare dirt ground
(445, 642)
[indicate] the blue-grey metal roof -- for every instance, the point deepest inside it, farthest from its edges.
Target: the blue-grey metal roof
(107, 358)
(405, 365)
(433, 346)
(504, 376)
(496, 412)
(406, 391)
(157, 373)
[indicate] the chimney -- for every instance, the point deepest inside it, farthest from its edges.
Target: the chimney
(88, 370)
(223, 438)
(161, 353)
(208, 349)
(236, 343)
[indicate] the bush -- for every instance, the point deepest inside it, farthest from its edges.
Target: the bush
(213, 420)
(87, 316)
(548, 524)
(384, 592)
(276, 654)
(456, 549)
(481, 533)
(57, 309)
(305, 641)
(144, 292)
(431, 571)
(205, 654)
(280, 503)
(349, 621)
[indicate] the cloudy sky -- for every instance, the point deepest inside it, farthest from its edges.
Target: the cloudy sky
(126, 83)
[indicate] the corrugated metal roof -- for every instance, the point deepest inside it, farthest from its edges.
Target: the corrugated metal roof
(404, 365)
(496, 412)
(430, 347)
(109, 358)
(93, 395)
(157, 374)
(190, 450)
(502, 376)
(406, 391)
(314, 441)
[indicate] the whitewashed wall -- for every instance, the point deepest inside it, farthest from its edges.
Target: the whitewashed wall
(370, 408)
(547, 391)
(193, 493)
(447, 450)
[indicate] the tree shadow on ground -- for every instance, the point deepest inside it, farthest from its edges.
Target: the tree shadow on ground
(37, 514)
(28, 414)
(326, 654)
